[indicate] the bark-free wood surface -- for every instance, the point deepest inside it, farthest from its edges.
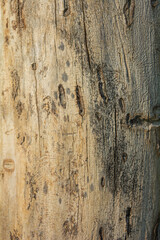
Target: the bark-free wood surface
(80, 119)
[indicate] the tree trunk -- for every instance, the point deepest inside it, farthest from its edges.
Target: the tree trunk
(80, 119)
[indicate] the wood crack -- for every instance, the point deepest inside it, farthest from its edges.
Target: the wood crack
(80, 101)
(19, 12)
(115, 149)
(37, 107)
(128, 225)
(20, 18)
(140, 122)
(55, 12)
(126, 65)
(85, 37)
(34, 67)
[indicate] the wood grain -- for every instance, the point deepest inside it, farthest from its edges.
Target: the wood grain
(80, 119)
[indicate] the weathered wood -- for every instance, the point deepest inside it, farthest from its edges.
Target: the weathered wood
(80, 119)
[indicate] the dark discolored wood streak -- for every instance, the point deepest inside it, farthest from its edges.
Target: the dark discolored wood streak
(62, 97)
(85, 37)
(101, 233)
(155, 3)
(128, 225)
(139, 120)
(80, 101)
(115, 151)
(101, 85)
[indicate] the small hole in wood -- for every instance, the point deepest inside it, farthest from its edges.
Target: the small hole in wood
(34, 66)
(101, 233)
(124, 157)
(66, 11)
(102, 181)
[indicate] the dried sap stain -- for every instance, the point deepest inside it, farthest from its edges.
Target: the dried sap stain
(49, 106)
(15, 84)
(45, 188)
(128, 11)
(62, 96)
(101, 85)
(19, 108)
(14, 235)
(33, 189)
(80, 101)
(65, 77)
(70, 227)
(16, 7)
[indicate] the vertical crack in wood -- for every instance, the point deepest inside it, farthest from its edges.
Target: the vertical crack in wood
(19, 12)
(128, 225)
(85, 37)
(115, 150)
(126, 65)
(104, 143)
(101, 234)
(34, 67)
(78, 208)
(55, 12)
(80, 101)
(87, 149)
(20, 20)
(37, 108)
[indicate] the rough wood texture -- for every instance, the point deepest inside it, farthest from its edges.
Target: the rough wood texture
(80, 119)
